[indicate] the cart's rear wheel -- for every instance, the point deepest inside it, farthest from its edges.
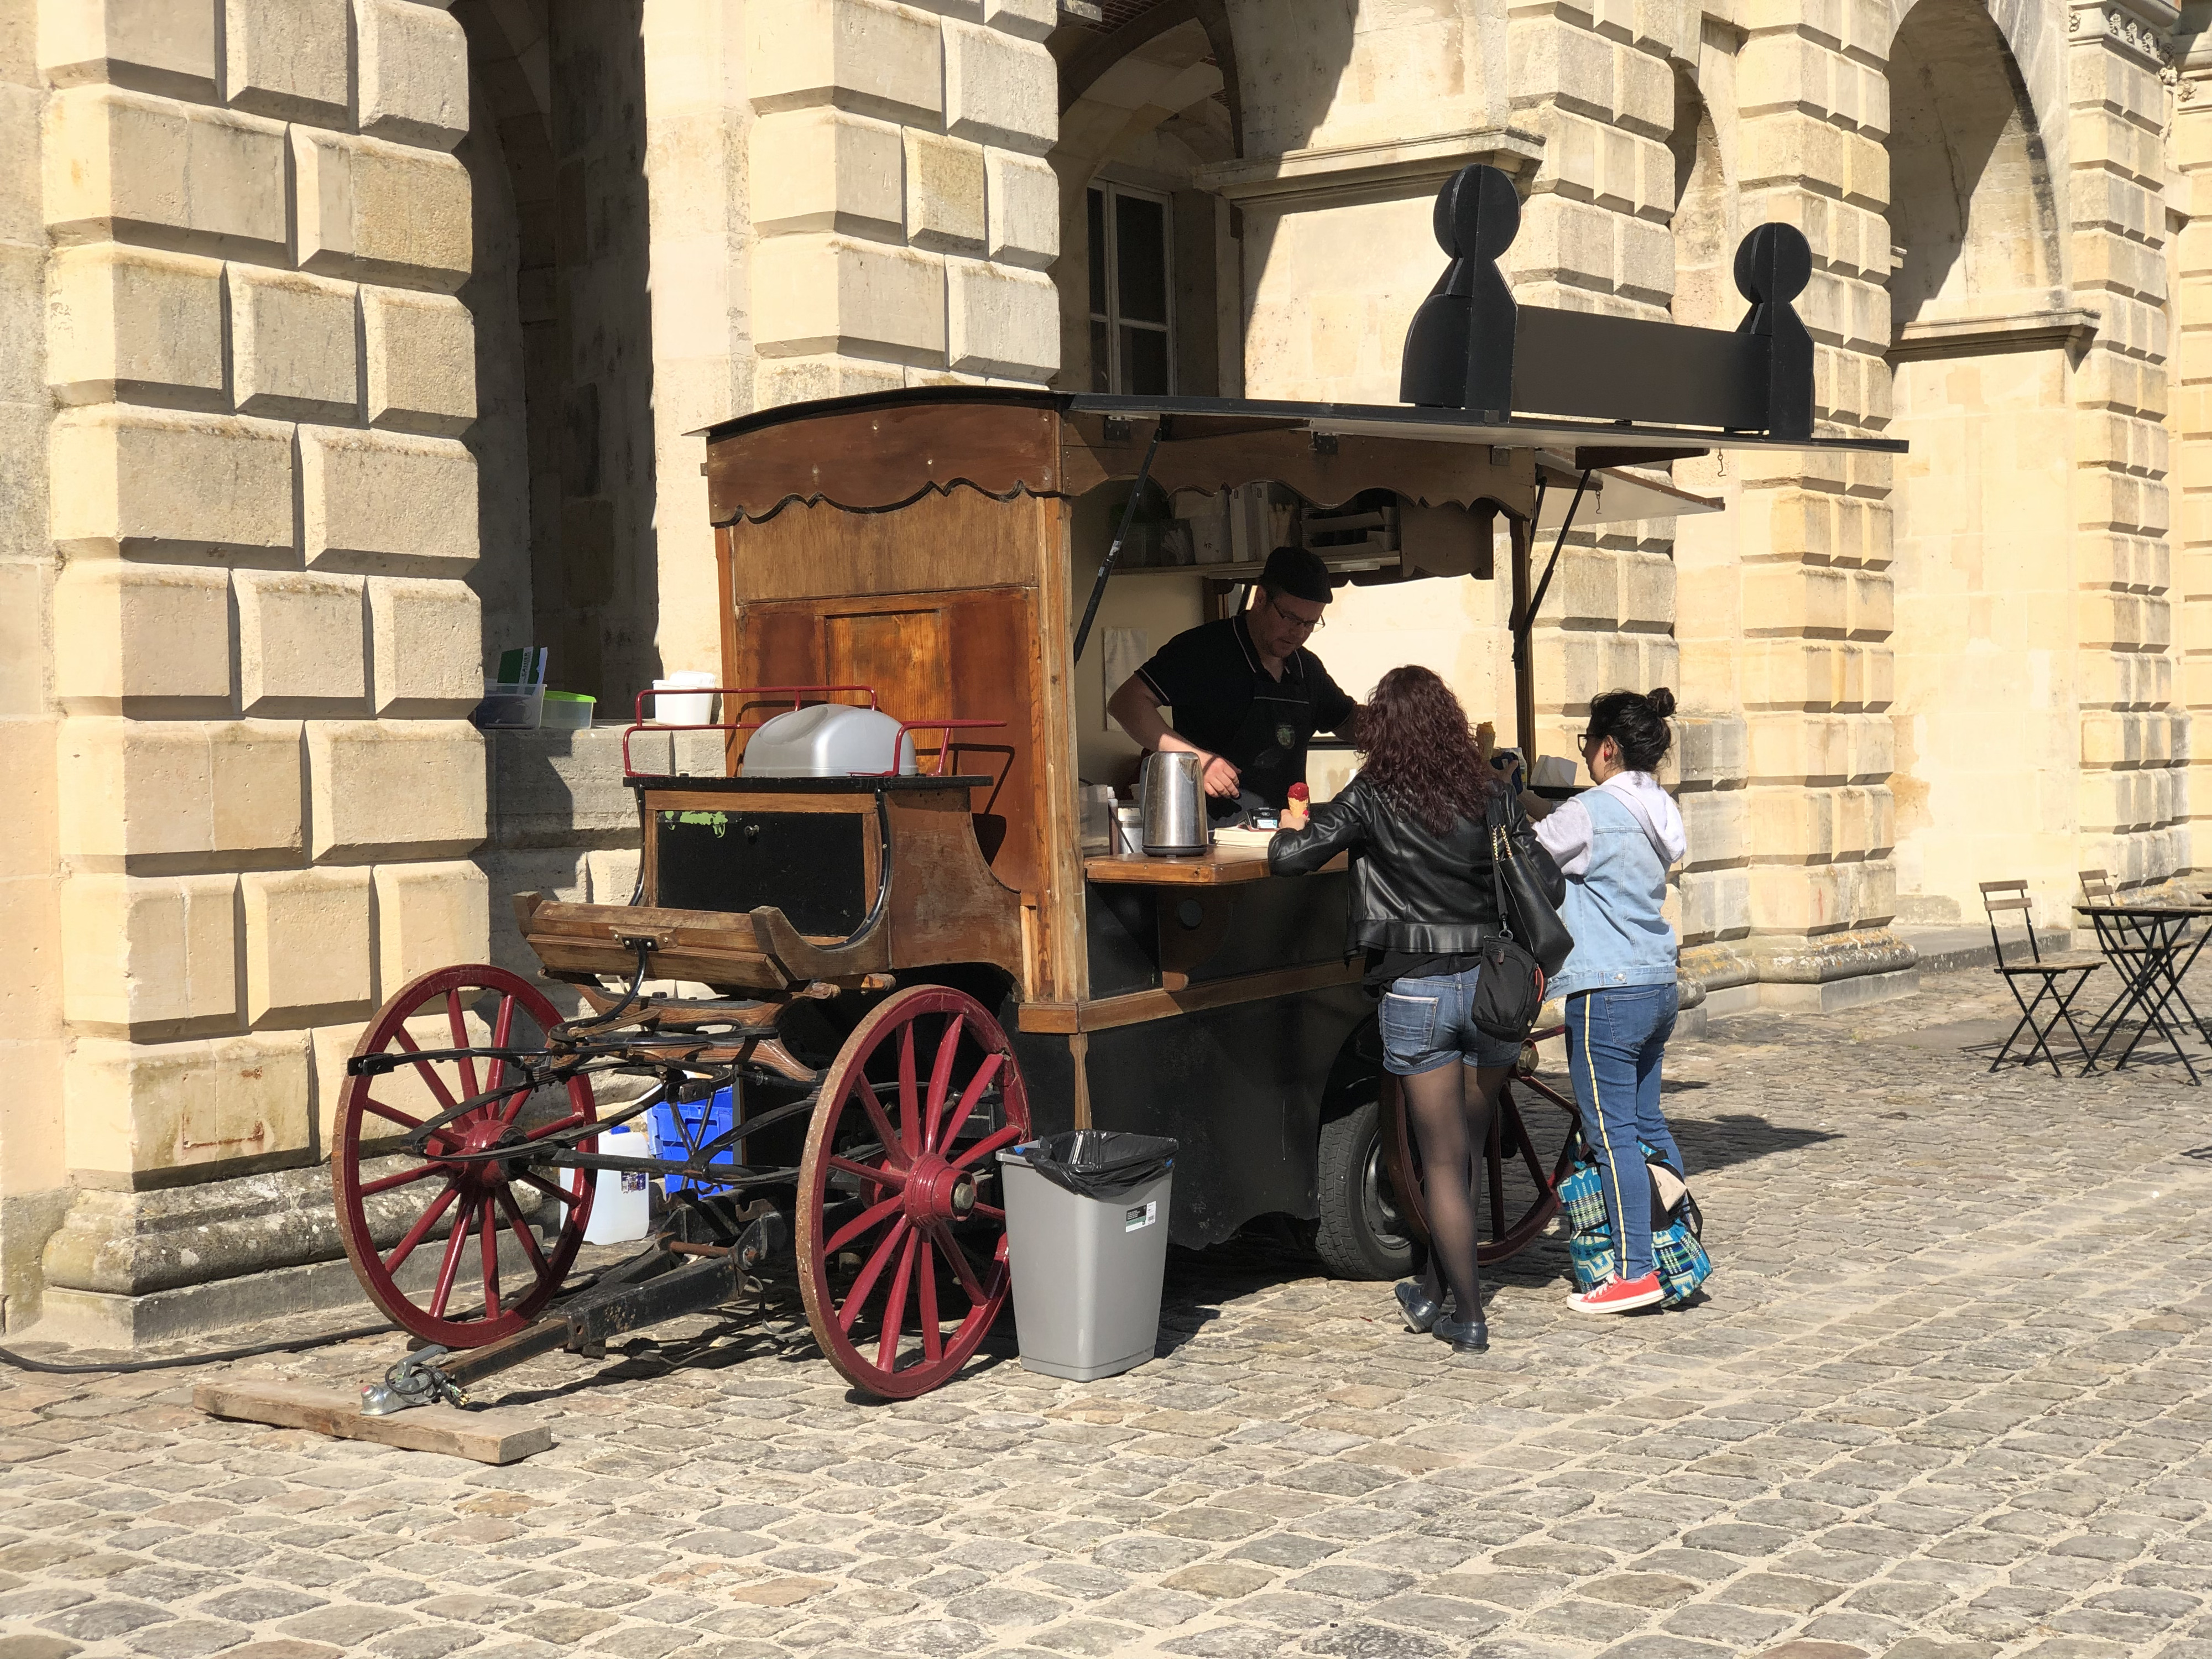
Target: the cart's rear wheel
(1360, 1230)
(902, 1237)
(1521, 1192)
(472, 1218)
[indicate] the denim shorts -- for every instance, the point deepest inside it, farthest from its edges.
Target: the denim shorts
(1428, 1022)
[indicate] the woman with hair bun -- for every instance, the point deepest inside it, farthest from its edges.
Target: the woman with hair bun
(1614, 844)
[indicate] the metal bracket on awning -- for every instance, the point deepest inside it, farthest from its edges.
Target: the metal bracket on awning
(1524, 618)
(1114, 552)
(1536, 601)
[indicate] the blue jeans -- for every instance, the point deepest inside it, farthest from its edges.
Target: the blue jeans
(1428, 1022)
(1616, 1040)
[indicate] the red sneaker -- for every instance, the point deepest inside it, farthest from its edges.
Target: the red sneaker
(1619, 1296)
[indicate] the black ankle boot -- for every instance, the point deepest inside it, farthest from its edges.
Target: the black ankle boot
(1466, 1336)
(1420, 1312)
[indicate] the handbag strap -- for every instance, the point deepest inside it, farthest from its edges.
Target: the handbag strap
(1497, 841)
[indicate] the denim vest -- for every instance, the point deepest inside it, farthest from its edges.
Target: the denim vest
(1612, 909)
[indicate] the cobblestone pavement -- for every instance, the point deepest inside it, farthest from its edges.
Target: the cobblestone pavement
(1948, 1398)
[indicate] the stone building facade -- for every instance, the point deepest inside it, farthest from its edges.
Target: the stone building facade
(344, 342)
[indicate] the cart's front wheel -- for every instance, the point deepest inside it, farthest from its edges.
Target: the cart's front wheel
(496, 1262)
(901, 1235)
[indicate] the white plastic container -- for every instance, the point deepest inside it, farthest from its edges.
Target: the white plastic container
(567, 711)
(622, 1208)
(694, 707)
(827, 740)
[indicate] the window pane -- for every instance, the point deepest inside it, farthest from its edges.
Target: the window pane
(1144, 360)
(1140, 246)
(1099, 252)
(1102, 367)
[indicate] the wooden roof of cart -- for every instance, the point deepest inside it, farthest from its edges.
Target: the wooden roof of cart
(882, 451)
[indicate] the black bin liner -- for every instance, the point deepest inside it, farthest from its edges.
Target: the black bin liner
(1100, 1162)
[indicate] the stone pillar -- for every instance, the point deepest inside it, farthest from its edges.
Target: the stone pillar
(1815, 665)
(1598, 87)
(904, 212)
(2134, 738)
(33, 1166)
(264, 647)
(2189, 357)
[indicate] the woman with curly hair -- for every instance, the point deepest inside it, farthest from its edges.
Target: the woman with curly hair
(1414, 821)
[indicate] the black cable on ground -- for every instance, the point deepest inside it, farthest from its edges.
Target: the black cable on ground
(24, 1364)
(223, 1356)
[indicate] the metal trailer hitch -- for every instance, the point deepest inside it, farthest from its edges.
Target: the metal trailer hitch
(670, 1278)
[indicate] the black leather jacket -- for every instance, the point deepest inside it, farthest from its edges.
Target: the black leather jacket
(1411, 889)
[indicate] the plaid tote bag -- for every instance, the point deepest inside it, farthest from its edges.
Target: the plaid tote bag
(1678, 1248)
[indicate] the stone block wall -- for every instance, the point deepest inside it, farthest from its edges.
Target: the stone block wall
(904, 214)
(259, 525)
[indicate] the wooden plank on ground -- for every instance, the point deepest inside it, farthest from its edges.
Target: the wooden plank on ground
(488, 1437)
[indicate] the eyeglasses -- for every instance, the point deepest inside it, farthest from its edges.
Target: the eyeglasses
(1311, 626)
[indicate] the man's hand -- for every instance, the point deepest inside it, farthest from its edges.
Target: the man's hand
(1221, 779)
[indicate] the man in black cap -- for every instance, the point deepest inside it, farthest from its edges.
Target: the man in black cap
(1247, 694)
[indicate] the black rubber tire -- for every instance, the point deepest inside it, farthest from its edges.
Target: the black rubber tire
(1352, 1240)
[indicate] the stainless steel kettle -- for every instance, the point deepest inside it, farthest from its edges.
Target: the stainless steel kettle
(1174, 803)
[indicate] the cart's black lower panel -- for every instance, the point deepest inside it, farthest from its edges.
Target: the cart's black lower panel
(1240, 1089)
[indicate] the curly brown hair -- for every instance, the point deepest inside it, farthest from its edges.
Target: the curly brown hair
(1421, 753)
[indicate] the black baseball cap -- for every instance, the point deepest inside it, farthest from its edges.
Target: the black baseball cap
(1298, 572)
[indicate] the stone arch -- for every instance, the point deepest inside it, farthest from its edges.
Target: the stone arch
(1705, 214)
(1973, 205)
(1084, 55)
(2034, 38)
(1981, 350)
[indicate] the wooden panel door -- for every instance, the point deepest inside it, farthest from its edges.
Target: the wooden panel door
(963, 655)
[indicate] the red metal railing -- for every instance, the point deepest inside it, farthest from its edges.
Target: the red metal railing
(753, 694)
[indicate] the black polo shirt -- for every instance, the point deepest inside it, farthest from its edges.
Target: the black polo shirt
(1226, 702)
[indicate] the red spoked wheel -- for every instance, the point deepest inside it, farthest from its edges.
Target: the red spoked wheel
(1522, 1191)
(398, 1208)
(902, 1239)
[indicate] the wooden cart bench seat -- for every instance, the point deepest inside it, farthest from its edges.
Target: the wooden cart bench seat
(760, 952)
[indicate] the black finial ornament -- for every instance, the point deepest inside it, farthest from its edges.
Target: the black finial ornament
(1773, 265)
(1471, 346)
(1458, 350)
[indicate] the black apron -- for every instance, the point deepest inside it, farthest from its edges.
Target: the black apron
(1274, 735)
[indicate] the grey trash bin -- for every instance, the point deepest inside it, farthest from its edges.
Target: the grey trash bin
(1087, 1240)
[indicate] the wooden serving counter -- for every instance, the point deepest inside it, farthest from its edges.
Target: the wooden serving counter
(1218, 867)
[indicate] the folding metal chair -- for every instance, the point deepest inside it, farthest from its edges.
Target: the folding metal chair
(2058, 979)
(2097, 888)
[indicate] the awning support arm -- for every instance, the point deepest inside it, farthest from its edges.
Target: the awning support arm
(1525, 604)
(1114, 553)
(1558, 542)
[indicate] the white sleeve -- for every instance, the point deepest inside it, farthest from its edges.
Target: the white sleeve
(1566, 835)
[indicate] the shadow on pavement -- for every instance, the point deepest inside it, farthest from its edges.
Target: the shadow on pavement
(1733, 1138)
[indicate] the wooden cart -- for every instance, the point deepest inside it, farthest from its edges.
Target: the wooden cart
(905, 973)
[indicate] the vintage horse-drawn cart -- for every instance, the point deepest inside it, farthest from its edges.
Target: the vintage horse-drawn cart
(907, 967)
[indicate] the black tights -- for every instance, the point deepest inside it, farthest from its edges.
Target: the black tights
(1450, 1109)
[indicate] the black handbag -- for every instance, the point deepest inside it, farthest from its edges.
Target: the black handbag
(1530, 888)
(1533, 942)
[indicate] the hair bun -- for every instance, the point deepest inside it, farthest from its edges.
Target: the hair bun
(1661, 700)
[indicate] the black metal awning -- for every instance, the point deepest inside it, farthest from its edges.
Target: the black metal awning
(1583, 443)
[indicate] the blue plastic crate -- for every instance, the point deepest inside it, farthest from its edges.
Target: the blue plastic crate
(680, 1126)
